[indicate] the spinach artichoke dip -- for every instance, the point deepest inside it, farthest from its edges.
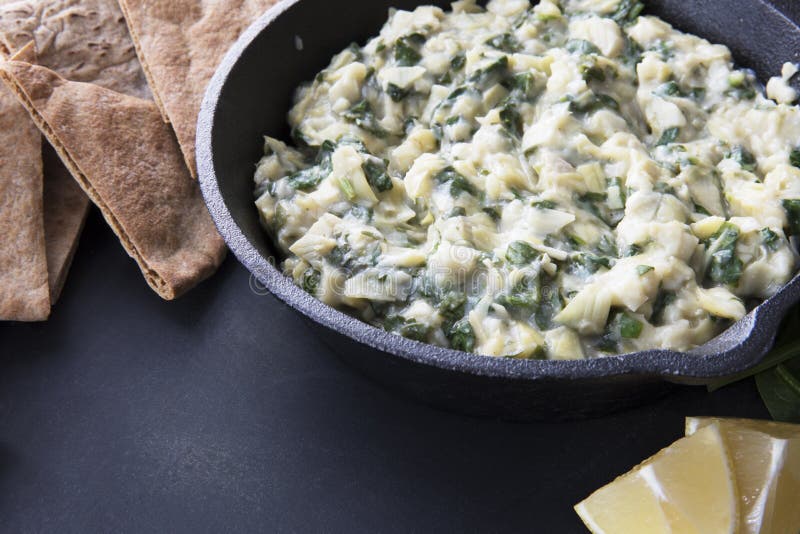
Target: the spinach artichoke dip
(562, 180)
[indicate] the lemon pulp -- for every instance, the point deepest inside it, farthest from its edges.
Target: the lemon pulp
(689, 487)
(766, 460)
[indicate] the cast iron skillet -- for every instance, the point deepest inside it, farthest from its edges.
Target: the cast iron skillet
(249, 97)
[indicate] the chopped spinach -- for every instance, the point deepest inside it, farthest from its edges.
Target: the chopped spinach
(505, 42)
(591, 72)
(575, 242)
(338, 256)
(632, 54)
(792, 208)
(590, 102)
(397, 94)
(511, 120)
(590, 262)
(523, 86)
(493, 74)
(607, 246)
(310, 178)
(621, 325)
(724, 266)
(458, 184)
(458, 61)
(633, 250)
(742, 156)
(378, 178)
(608, 343)
(307, 179)
(523, 300)
(361, 115)
(344, 257)
(664, 188)
(524, 297)
(582, 47)
(794, 157)
(741, 85)
(629, 327)
(770, 239)
(406, 49)
(670, 88)
(456, 93)
(458, 211)
(361, 213)
(407, 328)
(663, 299)
(545, 204)
(644, 269)
(492, 212)
(595, 203)
(627, 11)
(311, 280)
(462, 336)
(452, 305)
(354, 142)
(549, 306)
(669, 136)
(299, 137)
(521, 253)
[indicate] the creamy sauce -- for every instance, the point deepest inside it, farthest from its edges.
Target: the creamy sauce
(565, 180)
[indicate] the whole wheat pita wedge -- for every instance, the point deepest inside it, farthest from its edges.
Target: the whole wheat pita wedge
(24, 293)
(180, 43)
(82, 40)
(126, 159)
(65, 210)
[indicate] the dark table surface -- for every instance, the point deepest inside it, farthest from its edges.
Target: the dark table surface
(223, 412)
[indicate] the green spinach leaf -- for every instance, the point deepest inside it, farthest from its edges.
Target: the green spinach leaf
(376, 174)
(779, 387)
(406, 49)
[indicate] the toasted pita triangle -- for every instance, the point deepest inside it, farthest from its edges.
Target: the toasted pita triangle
(180, 43)
(24, 293)
(126, 159)
(82, 40)
(65, 209)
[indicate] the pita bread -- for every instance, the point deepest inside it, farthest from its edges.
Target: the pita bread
(82, 40)
(126, 159)
(24, 293)
(65, 210)
(180, 43)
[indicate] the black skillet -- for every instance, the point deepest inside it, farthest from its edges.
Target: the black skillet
(250, 96)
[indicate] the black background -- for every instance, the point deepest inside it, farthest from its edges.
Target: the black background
(223, 412)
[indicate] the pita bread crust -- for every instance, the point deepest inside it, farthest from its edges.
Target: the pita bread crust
(180, 43)
(82, 40)
(66, 207)
(24, 293)
(126, 159)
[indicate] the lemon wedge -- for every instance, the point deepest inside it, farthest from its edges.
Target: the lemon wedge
(766, 460)
(687, 488)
